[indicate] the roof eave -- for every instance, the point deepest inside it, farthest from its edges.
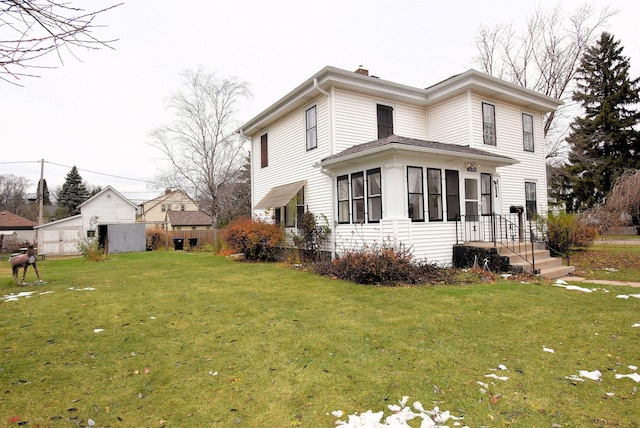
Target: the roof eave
(397, 147)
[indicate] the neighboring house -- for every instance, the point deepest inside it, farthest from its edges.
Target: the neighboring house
(107, 216)
(15, 230)
(155, 211)
(383, 161)
(188, 220)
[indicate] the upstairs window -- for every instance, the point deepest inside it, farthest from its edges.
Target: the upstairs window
(264, 159)
(415, 189)
(343, 199)
(434, 187)
(489, 124)
(374, 196)
(527, 132)
(385, 121)
(311, 124)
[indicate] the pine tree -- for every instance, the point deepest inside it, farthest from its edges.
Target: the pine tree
(603, 143)
(73, 192)
(46, 197)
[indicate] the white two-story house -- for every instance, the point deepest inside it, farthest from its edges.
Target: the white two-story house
(382, 161)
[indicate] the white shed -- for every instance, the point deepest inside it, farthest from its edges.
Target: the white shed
(107, 207)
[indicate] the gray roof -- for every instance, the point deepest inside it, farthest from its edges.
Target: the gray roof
(414, 144)
(189, 218)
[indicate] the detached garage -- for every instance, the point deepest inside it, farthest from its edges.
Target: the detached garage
(107, 216)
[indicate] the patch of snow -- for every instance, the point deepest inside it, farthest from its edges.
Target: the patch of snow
(494, 376)
(13, 297)
(626, 296)
(82, 289)
(636, 324)
(576, 288)
(545, 349)
(98, 330)
(594, 375)
(633, 376)
(502, 367)
(633, 367)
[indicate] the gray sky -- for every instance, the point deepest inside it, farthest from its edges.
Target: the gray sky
(97, 113)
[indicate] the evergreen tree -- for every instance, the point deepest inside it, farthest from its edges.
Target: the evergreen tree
(46, 200)
(603, 143)
(73, 193)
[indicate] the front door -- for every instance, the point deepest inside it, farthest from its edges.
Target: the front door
(472, 218)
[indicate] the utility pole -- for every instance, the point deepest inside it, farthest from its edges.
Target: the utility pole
(41, 194)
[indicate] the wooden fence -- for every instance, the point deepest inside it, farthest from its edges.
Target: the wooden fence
(203, 237)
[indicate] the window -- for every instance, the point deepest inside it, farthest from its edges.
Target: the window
(357, 197)
(434, 188)
(531, 199)
(453, 195)
(264, 160)
(489, 124)
(527, 132)
(164, 207)
(182, 207)
(385, 121)
(277, 215)
(294, 209)
(485, 194)
(415, 189)
(374, 196)
(311, 124)
(343, 199)
(91, 233)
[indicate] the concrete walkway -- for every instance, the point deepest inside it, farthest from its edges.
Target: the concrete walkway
(574, 279)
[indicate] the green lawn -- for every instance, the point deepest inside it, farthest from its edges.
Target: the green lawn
(190, 339)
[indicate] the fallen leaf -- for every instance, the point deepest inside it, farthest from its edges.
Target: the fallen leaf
(494, 399)
(14, 419)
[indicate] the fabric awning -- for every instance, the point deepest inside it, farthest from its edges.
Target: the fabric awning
(280, 195)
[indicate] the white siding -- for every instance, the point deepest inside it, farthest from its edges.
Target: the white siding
(289, 160)
(108, 207)
(355, 119)
(448, 122)
(509, 137)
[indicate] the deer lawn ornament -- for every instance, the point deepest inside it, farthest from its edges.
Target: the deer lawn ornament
(24, 261)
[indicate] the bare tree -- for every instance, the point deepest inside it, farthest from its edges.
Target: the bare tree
(31, 29)
(204, 152)
(622, 206)
(544, 57)
(13, 195)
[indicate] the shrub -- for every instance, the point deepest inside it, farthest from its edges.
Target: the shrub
(385, 265)
(309, 238)
(257, 239)
(155, 238)
(566, 231)
(91, 250)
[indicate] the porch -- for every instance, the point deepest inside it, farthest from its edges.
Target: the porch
(521, 241)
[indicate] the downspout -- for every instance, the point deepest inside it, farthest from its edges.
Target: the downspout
(332, 221)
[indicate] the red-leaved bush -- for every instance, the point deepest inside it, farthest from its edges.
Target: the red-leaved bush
(256, 239)
(384, 265)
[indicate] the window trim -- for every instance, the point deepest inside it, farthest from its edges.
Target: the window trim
(483, 208)
(451, 216)
(527, 200)
(373, 198)
(387, 129)
(264, 151)
(341, 202)
(410, 214)
(355, 214)
(439, 215)
(313, 129)
(531, 147)
(486, 125)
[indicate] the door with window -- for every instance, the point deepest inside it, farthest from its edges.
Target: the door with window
(473, 220)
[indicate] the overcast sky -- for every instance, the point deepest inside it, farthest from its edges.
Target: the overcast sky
(97, 114)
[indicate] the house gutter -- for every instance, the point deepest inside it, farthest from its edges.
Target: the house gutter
(332, 221)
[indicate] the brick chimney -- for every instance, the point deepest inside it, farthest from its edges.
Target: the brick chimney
(362, 70)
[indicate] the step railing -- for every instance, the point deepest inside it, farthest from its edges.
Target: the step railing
(506, 231)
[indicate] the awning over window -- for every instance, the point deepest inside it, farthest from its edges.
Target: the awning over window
(280, 196)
